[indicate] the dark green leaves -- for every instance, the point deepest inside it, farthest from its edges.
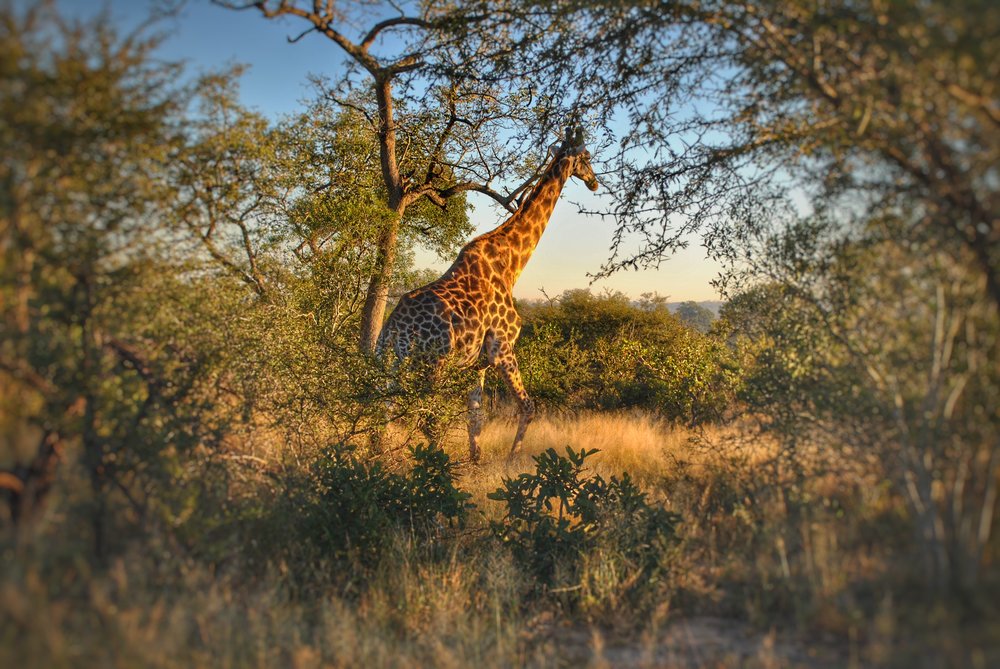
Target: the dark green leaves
(357, 503)
(556, 516)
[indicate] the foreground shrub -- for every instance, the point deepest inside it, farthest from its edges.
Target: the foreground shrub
(583, 535)
(357, 503)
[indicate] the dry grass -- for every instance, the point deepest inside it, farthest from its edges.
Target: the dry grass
(762, 548)
(633, 442)
(649, 449)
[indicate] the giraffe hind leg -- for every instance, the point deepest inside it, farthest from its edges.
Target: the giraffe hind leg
(506, 364)
(475, 407)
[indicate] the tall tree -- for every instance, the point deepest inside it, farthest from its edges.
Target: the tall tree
(723, 109)
(417, 100)
(86, 122)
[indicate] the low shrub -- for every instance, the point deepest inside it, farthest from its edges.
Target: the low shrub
(356, 503)
(566, 528)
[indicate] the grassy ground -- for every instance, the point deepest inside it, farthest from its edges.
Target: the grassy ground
(779, 564)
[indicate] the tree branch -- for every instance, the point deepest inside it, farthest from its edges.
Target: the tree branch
(439, 196)
(373, 34)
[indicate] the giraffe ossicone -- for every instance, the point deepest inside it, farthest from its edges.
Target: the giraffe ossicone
(467, 316)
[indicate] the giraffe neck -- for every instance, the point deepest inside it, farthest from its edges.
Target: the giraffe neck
(522, 231)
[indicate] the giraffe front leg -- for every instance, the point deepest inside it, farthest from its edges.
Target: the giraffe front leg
(475, 406)
(506, 363)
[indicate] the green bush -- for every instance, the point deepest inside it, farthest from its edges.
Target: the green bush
(356, 504)
(604, 352)
(556, 370)
(557, 519)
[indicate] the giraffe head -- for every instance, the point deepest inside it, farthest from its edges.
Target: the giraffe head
(573, 147)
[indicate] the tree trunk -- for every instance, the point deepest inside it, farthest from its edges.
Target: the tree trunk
(378, 288)
(385, 259)
(93, 447)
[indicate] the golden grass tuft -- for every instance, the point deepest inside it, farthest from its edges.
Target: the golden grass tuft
(635, 442)
(648, 448)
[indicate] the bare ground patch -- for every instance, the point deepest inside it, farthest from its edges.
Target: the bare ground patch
(690, 643)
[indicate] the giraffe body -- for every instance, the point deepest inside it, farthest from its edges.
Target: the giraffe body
(467, 316)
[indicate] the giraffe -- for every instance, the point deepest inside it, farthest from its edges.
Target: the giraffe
(467, 316)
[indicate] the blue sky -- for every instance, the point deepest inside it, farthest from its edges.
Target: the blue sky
(207, 37)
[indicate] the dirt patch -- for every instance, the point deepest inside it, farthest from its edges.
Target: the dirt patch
(692, 643)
